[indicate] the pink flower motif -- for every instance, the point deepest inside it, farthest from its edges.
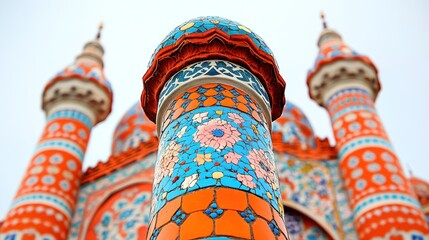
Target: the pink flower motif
(168, 160)
(246, 180)
(263, 166)
(232, 157)
(217, 133)
(235, 117)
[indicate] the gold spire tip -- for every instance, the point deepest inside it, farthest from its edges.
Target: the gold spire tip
(409, 170)
(100, 27)
(322, 16)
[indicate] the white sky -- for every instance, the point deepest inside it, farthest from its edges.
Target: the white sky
(39, 38)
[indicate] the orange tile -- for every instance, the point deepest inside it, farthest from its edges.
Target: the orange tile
(192, 105)
(196, 225)
(179, 103)
(177, 113)
(210, 101)
(210, 92)
(242, 99)
(242, 107)
(261, 230)
(253, 106)
(232, 224)
(197, 200)
(260, 206)
(169, 231)
(228, 198)
(227, 102)
(194, 95)
(279, 221)
(167, 113)
(256, 116)
(227, 93)
(210, 85)
(165, 214)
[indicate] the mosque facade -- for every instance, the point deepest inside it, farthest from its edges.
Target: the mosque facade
(212, 150)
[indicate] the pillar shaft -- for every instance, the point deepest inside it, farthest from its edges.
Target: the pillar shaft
(379, 194)
(215, 173)
(45, 200)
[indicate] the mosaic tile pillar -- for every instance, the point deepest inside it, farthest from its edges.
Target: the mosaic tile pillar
(382, 202)
(44, 203)
(346, 83)
(215, 174)
(75, 100)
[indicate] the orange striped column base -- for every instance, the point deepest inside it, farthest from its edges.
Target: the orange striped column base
(215, 213)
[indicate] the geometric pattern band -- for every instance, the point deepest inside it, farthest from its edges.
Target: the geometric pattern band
(44, 198)
(61, 145)
(378, 200)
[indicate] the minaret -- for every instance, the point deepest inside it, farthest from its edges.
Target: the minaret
(346, 84)
(213, 88)
(74, 101)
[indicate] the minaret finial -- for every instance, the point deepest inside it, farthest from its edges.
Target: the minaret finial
(322, 16)
(409, 170)
(100, 27)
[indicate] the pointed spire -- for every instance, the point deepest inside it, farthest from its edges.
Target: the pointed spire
(322, 16)
(409, 170)
(100, 27)
(326, 33)
(93, 50)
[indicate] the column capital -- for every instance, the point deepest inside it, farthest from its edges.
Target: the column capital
(212, 71)
(340, 75)
(82, 85)
(338, 67)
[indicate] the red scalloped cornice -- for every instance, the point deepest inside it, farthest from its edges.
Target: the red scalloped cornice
(85, 76)
(212, 44)
(323, 62)
(322, 151)
(119, 161)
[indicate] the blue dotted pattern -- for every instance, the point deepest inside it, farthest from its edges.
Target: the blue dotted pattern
(71, 114)
(364, 141)
(42, 197)
(386, 197)
(68, 146)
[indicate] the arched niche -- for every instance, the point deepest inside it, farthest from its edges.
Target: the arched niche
(123, 215)
(296, 214)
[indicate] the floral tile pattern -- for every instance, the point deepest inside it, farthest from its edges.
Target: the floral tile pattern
(308, 183)
(215, 146)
